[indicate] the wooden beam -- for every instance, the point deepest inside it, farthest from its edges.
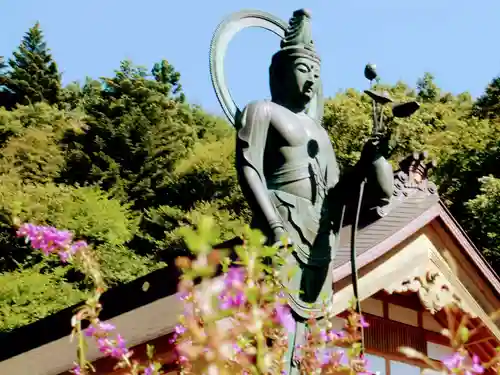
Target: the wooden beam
(408, 300)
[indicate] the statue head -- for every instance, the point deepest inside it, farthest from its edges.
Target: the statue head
(295, 68)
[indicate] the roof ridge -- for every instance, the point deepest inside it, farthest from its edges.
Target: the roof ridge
(472, 245)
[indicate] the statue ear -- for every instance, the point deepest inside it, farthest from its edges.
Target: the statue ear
(316, 106)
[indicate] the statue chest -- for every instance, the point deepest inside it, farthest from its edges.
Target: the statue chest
(299, 141)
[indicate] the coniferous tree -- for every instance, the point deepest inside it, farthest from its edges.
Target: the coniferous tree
(138, 128)
(6, 97)
(33, 75)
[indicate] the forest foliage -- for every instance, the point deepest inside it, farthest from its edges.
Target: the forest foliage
(125, 162)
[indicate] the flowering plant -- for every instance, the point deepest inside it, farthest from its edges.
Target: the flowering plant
(236, 320)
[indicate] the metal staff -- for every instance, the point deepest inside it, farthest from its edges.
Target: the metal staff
(379, 100)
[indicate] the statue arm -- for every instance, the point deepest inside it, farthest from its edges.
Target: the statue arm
(255, 122)
(380, 182)
(378, 189)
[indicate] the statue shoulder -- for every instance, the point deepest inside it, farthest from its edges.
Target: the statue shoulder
(258, 104)
(258, 111)
(253, 123)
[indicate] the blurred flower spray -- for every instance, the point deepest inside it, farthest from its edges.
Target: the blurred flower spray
(235, 320)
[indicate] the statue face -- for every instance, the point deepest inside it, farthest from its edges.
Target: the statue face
(305, 78)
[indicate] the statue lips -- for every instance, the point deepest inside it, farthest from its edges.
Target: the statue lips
(308, 89)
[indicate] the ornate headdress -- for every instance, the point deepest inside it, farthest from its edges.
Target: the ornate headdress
(298, 37)
(296, 40)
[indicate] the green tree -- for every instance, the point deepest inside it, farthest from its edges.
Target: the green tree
(6, 98)
(433, 128)
(27, 295)
(31, 158)
(30, 139)
(3, 67)
(427, 90)
(33, 75)
(204, 183)
(138, 128)
(165, 74)
(466, 147)
(488, 104)
(484, 218)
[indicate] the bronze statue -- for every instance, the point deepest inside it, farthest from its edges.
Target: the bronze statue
(288, 171)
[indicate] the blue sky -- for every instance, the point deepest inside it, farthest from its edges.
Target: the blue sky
(456, 40)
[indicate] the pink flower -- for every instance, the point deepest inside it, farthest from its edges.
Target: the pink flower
(150, 370)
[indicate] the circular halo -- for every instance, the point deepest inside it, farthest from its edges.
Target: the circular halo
(226, 30)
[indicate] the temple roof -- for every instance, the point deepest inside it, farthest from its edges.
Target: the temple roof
(413, 195)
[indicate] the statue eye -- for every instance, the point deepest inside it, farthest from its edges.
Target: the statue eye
(302, 68)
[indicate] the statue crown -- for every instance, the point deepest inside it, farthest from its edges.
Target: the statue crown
(298, 36)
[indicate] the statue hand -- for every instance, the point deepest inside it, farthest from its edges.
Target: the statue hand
(376, 147)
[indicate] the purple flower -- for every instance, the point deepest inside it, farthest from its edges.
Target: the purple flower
(49, 240)
(180, 329)
(230, 299)
(183, 296)
(76, 370)
(363, 322)
(77, 246)
(46, 239)
(100, 330)
(335, 335)
(113, 348)
(235, 276)
(454, 362)
(476, 366)
(120, 349)
(285, 318)
(323, 335)
(237, 348)
(332, 356)
(233, 294)
(150, 370)
(64, 256)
